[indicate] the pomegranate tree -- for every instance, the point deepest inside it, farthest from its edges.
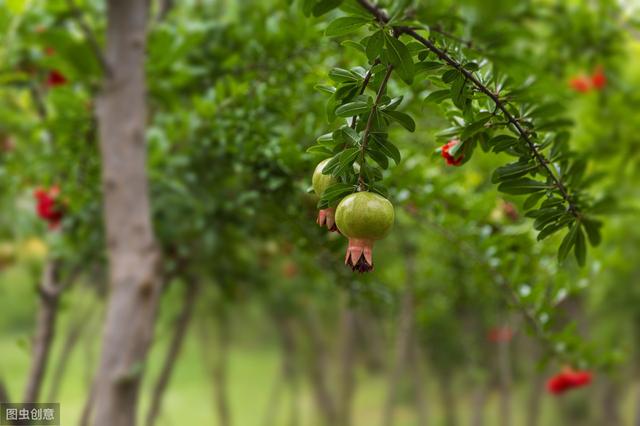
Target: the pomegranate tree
(363, 217)
(320, 182)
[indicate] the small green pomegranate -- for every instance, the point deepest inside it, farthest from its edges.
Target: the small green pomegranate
(363, 217)
(320, 183)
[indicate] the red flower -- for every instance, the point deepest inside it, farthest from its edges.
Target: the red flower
(48, 207)
(450, 159)
(599, 79)
(56, 78)
(581, 83)
(500, 334)
(568, 379)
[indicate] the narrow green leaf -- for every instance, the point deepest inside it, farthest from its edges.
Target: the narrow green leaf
(522, 186)
(568, 242)
(352, 108)
(405, 120)
(345, 25)
(580, 249)
(387, 148)
(592, 227)
(400, 58)
(438, 96)
(374, 45)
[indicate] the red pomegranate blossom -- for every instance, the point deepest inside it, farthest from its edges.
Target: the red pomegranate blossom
(599, 79)
(500, 334)
(48, 206)
(56, 78)
(450, 159)
(581, 83)
(568, 379)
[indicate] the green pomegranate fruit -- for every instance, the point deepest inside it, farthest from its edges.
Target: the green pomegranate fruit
(320, 183)
(363, 217)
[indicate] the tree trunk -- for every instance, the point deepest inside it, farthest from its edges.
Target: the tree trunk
(220, 371)
(317, 372)
(288, 375)
(479, 402)
(448, 401)
(610, 403)
(637, 414)
(175, 346)
(74, 332)
(404, 337)
(347, 360)
(422, 415)
(133, 255)
(4, 393)
(504, 375)
(49, 290)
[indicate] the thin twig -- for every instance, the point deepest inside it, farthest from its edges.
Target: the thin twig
(89, 35)
(367, 129)
(365, 83)
(540, 158)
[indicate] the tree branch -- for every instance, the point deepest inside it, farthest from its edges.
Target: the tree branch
(365, 83)
(367, 129)
(500, 104)
(89, 35)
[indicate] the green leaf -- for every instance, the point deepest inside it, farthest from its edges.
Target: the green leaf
(458, 92)
(378, 157)
(512, 171)
(580, 249)
(568, 242)
(345, 160)
(353, 45)
(387, 148)
(438, 96)
(427, 66)
(319, 149)
(374, 45)
(502, 142)
(554, 227)
(522, 186)
(532, 200)
(337, 191)
(400, 58)
(352, 108)
(592, 227)
(325, 88)
(340, 75)
(405, 120)
(345, 25)
(324, 6)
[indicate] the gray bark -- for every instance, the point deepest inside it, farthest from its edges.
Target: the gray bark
(49, 290)
(4, 393)
(133, 255)
(72, 337)
(347, 380)
(479, 403)
(317, 372)
(220, 372)
(175, 346)
(504, 377)
(404, 337)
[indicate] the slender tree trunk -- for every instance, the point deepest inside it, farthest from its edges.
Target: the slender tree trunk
(404, 337)
(317, 372)
(4, 393)
(610, 403)
(422, 414)
(287, 376)
(175, 346)
(478, 404)
(637, 413)
(504, 374)
(448, 401)
(49, 289)
(132, 251)
(220, 371)
(534, 402)
(373, 349)
(347, 379)
(74, 332)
